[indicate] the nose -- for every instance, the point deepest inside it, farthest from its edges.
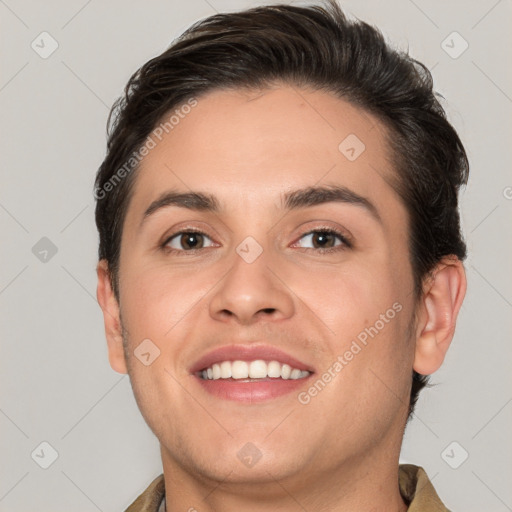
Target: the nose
(252, 292)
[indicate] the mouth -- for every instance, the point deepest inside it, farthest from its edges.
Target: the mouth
(250, 373)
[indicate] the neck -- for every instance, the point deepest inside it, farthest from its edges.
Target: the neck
(368, 484)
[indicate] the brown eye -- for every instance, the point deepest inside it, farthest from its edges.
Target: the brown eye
(191, 240)
(187, 241)
(323, 239)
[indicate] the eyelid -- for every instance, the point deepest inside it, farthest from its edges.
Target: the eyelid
(316, 225)
(188, 227)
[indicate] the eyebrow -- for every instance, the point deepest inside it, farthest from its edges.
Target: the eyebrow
(294, 200)
(313, 196)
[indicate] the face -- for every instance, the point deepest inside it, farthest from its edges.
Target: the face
(295, 250)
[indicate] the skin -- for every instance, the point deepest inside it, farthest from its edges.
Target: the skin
(340, 451)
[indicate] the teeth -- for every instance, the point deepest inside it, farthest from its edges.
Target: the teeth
(239, 370)
(257, 369)
(274, 369)
(286, 371)
(295, 374)
(216, 371)
(225, 370)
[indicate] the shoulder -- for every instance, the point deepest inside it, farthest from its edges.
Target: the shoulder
(150, 499)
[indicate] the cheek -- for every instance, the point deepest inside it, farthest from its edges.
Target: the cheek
(155, 298)
(154, 301)
(364, 311)
(350, 298)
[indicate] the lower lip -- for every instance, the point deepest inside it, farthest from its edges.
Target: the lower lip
(251, 391)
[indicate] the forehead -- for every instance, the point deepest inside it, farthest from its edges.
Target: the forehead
(248, 147)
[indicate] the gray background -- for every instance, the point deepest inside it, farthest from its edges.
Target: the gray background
(56, 384)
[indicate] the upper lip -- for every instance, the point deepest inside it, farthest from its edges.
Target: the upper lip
(247, 353)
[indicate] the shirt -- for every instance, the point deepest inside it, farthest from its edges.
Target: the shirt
(415, 488)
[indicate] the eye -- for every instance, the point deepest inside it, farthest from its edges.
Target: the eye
(324, 240)
(187, 241)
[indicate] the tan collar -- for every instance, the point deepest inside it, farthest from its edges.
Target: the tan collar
(417, 490)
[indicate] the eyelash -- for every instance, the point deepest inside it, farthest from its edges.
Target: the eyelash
(345, 243)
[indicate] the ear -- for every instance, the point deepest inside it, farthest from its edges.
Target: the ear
(442, 298)
(111, 318)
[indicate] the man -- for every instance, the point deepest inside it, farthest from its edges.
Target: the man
(280, 261)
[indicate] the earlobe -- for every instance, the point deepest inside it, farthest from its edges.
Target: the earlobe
(429, 354)
(111, 318)
(441, 302)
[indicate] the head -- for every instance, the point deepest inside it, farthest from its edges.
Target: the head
(273, 123)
